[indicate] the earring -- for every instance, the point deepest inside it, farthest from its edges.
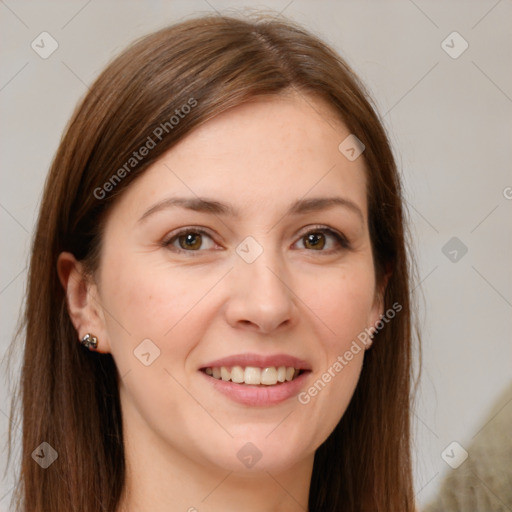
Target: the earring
(89, 340)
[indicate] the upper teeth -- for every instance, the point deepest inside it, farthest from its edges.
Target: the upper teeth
(253, 375)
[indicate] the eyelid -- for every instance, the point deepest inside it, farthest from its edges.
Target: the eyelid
(169, 238)
(342, 240)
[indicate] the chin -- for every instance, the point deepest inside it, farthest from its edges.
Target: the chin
(257, 453)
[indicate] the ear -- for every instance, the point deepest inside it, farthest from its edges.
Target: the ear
(377, 310)
(82, 300)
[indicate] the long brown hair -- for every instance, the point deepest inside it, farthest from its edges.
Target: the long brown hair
(212, 63)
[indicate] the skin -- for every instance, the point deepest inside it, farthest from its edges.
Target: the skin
(310, 301)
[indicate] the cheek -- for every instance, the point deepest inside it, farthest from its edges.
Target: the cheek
(152, 323)
(147, 299)
(152, 300)
(343, 302)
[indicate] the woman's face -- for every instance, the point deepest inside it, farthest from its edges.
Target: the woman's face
(246, 246)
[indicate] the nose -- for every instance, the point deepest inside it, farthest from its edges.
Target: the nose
(261, 297)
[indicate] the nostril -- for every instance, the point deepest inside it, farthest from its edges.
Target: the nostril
(246, 323)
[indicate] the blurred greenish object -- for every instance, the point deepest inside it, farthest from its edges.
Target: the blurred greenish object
(483, 483)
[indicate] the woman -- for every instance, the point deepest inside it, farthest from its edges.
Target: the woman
(218, 308)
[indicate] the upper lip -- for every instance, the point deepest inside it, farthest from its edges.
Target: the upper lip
(259, 361)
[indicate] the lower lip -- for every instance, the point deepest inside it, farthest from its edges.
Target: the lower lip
(248, 394)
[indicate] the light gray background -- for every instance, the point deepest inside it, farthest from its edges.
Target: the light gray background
(450, 124)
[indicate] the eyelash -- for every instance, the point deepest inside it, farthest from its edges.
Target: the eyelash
(340, 239)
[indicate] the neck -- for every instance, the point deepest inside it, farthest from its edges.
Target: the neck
(163, 479)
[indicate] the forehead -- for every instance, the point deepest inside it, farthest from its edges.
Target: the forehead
(270, 151)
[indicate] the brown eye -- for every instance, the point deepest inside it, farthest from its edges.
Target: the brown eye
(190, 241)
(314, 240)
(324, 240)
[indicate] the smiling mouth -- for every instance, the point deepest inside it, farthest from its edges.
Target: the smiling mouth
(252, 375)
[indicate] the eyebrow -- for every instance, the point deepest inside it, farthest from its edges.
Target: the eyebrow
(206, 205)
